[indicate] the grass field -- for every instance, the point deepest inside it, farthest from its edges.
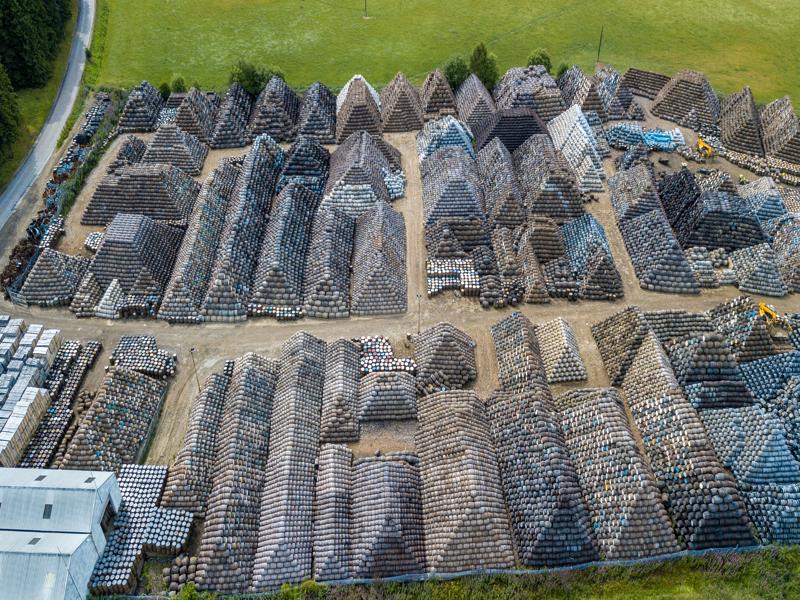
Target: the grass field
(34, 105)
(735, 42)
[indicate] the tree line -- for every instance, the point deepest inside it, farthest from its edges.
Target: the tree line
(30, 33)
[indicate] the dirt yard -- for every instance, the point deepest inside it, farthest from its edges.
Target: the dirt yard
(214, 343)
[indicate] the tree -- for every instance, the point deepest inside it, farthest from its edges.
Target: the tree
(456, 70)
(484, 65)
(164, 90)
(252, 78)
(9, 113)
(562, 68)
(179, 85)
(540, 57)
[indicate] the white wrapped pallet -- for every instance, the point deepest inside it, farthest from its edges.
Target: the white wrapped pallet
(22, 424)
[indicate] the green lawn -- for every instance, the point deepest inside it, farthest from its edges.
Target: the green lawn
(735, 42)
(34, 105)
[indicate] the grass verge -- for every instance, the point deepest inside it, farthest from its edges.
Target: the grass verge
(735, 42)
(34, 105)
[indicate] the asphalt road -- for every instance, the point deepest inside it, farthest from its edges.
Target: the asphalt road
(45, 143)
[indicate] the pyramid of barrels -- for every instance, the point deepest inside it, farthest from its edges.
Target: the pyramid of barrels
(317, 118)
(781, 130)
(740, 123)
(197, 114)
(142, 110)
(688, 99)
(54, 278)
(436, 96)
(275, 112)
(401, 107)
(162, 192)
(230, 129)
(171, 146)
(358, 108)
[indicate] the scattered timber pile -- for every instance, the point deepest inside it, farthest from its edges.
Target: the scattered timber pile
(437, 97)
(230, 130)
(197, 114)
(628, 517)
(162, 192)
(140, 527)
(130, 270)
(128, 397)
(171, 146)
(276, 112)
(317, 118)
(463, 510)
(401, 107)
(358, 107)
(141, 110)
(689, 100)
(445, 358)
(532, 88)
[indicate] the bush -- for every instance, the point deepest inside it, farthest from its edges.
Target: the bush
(540, 57)
(9, 113)
(562, 68)
(189, 592)
(484, 65)
(252, 78)
(164, 90)
(179, 85)
(456, 70)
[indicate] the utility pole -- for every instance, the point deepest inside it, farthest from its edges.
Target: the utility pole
(365, 9)
(194, 366)
(599, 46)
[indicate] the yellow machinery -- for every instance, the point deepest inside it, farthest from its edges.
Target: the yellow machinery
(773, 319)
(704, 148)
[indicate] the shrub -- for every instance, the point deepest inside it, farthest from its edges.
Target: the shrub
(9, 113)
(484, 65)
(562, 68)
(179, 85)
(189, 592)
(164, 90)
(540, 57)
(456, 71)
(252, 78)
